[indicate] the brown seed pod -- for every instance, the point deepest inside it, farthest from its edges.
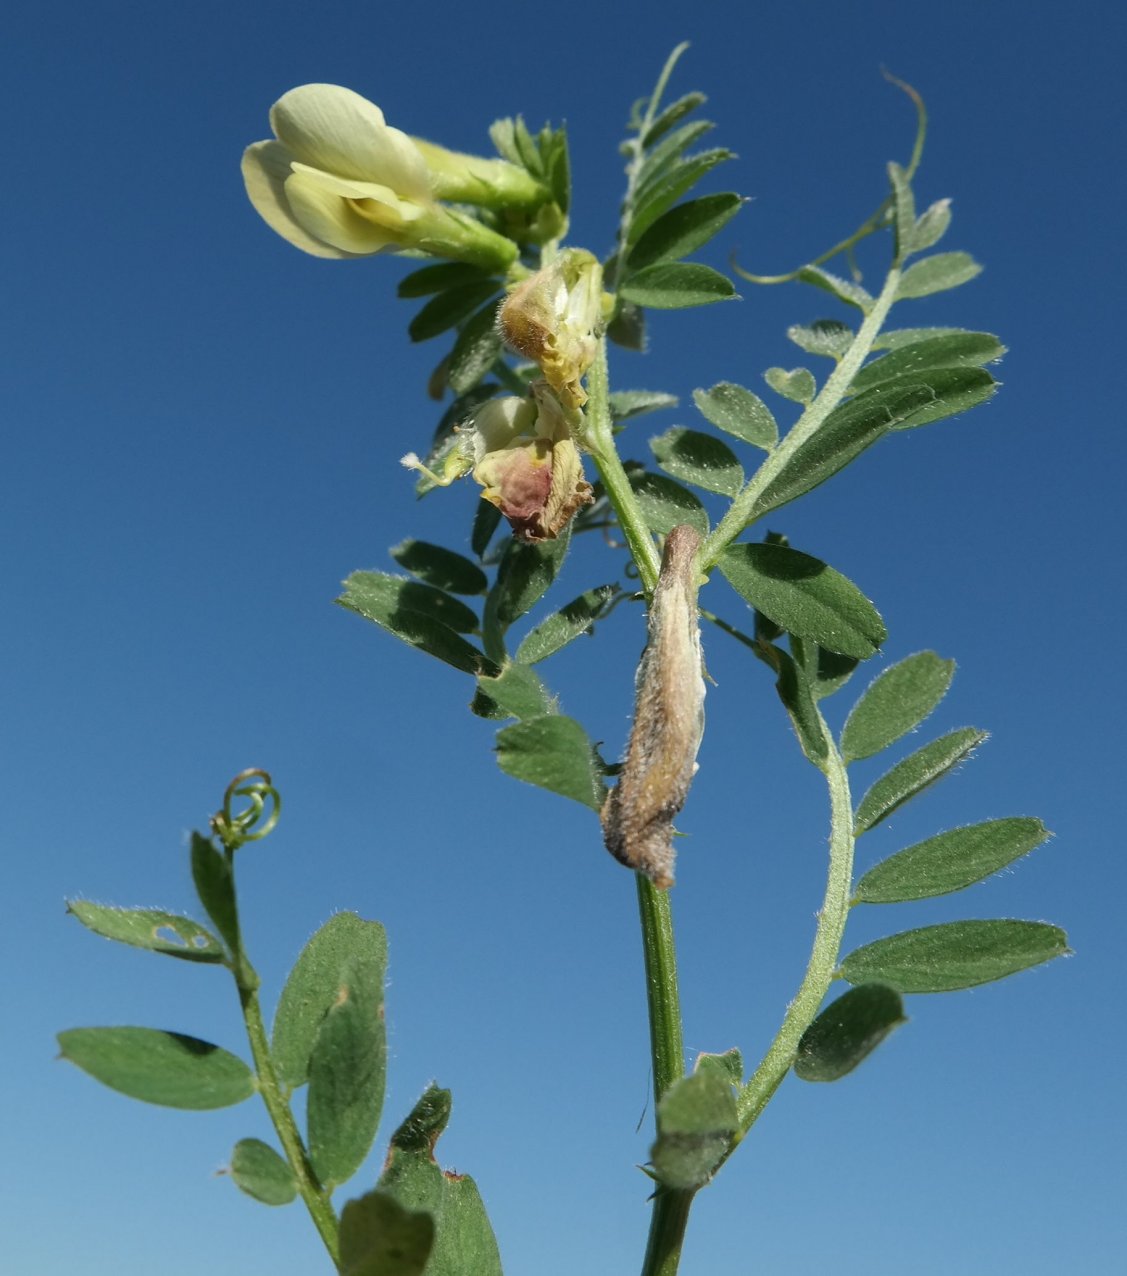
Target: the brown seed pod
(638, 815)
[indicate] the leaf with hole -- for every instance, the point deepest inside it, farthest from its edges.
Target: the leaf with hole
(700, 459)
(150, 928)
(805, 597)
(896, 701)
(168, 1068)
(950, 861)
(955, 955)
(847, 1031)
(915, 773)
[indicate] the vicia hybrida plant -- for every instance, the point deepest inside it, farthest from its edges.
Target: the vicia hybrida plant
(533, 420)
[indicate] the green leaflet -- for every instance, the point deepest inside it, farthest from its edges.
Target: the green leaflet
(261, 1173)
(847, 1031)
(396, 604)
(950, 861)
(738, 411)
(313, 987)
(937, 273)
(805, 597)
(665, 504)
(955, 955)
(683, 229)
(463, 1240)
(700, 459)
(554, 753)
(379, 1237)
(439, 567)
(915, 773)
(676, 286)
(565, 625)
(347, 1073)
(168, 1068)
(150, 928)
(895, 702)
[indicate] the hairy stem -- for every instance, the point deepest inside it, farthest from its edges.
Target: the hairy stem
(767, 1078)
(312, 1193)
(740, 513)
(599, 441)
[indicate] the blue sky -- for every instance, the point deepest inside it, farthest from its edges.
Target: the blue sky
(203, 434)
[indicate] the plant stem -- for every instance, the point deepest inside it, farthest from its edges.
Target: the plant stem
(741, 512)
(767, 1078)
(663, 998)
(667, 1055)
(312, 1193)
(667, 1231)
(599, 441)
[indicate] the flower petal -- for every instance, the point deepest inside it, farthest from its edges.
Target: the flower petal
(349, 188)
(266, 165)
(332, 128)
(333, 220)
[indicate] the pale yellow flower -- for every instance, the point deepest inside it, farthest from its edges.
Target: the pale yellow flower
(338, 181)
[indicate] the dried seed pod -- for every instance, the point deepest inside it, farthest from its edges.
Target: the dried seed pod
(638, 814)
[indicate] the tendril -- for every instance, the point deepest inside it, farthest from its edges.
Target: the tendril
(264, 805)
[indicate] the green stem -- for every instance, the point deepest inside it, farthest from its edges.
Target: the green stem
(667, 1231)
(598, 438)
(663, 998)
(667, 1056)
(312, 1193)
(741, 512)
(767, 1078)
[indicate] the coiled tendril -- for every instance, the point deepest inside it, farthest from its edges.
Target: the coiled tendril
(264, 804)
